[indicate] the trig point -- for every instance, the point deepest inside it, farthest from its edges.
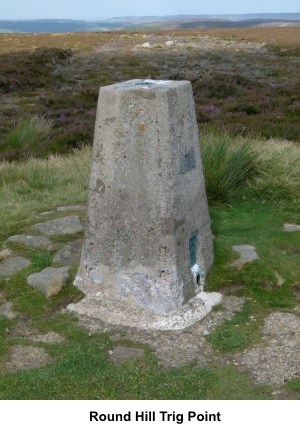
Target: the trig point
(148, 243)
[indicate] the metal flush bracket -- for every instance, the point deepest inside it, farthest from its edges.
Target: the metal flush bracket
(146, 83)
(188, 161)
(193, 249)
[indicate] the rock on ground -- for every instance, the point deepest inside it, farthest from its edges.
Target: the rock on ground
(50, 280)
(122, 353)
(247, 255)
(291, 227)
(66, 225)
(72, 208)
(12, 265)
(6, 253)
(69, 254)
(6, 309)
(39, 242)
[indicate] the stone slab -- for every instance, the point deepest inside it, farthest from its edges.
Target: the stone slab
(6, 309)
(69, 254)
(60, 226)
(119, 354)
(72, 208)
(50, 281)
(38, 242)
(247, 255)
(291, 227)
(12, 265)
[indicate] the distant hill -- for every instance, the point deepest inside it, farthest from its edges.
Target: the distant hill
(149, 22)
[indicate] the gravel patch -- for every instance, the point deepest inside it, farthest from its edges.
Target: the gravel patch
(277, 359)
(27, 357)
(174, 348)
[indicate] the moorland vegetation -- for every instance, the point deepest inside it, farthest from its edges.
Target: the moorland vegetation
(247, 91)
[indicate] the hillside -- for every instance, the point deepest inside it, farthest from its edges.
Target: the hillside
(246, 91)
(152, 22)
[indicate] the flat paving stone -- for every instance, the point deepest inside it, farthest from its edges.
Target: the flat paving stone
(69, 254)
(6, 310)
(39, 242)
(46, 213)
(66, 225)
(122, 353)
(12, 265)
(291, 227)
(49, 281)
(247, 255)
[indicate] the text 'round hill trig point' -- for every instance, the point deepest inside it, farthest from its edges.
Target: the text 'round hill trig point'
(148, 243)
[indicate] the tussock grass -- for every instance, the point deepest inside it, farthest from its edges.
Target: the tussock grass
(29, 132)
(40, 185)
(279, 175)
(235, 166)
(228, 165)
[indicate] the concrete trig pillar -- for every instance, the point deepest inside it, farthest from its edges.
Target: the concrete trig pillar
(148, 243)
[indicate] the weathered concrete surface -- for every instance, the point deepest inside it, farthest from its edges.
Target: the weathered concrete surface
(66, 225)
(50, 280)
(12, 265)
(109, 308)
(174, 348)
(39, 242)
(146, 198)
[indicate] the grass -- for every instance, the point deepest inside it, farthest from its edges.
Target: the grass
(255, 214)
(38, 185)
(29, 132)
(236, 334)
(228, 165)
(81, 370)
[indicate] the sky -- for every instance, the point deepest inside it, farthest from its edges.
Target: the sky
(99, 9)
